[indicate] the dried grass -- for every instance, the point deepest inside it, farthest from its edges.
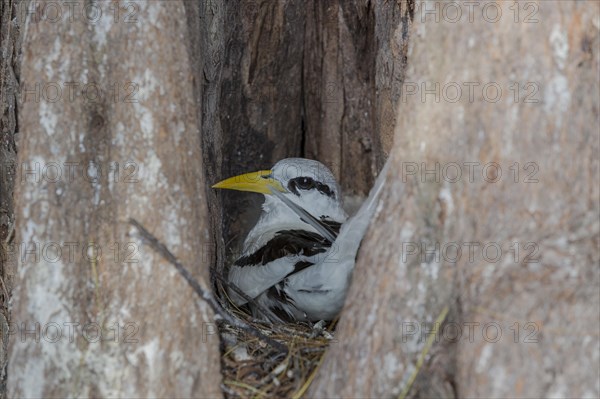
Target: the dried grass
(253, 369)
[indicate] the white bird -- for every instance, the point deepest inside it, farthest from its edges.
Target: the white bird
(289, 267)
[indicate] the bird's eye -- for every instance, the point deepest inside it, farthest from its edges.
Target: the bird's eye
(308, 183)
(305, 183)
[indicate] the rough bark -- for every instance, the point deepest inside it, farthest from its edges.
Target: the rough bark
(250, 81)
(354, 64)
(556, 355)
(10, 44)
(229, 87)
(289, 78)
(133, 108)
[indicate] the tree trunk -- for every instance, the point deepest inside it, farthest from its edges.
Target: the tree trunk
(122, 141)
(177, 95)
(10, 45)
(247, 64)
(354, 63)
(527, 314)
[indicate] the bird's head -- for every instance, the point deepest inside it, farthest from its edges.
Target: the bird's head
(305, 182)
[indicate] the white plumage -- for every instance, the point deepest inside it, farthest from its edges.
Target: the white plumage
(289, 266)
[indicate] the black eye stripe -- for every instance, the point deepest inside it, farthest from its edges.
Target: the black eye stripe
(308, 183)
(324, 189)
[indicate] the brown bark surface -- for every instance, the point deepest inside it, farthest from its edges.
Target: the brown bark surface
(553, 203)
(180, 94)
(10, 45)
(247, 64)
(132, 108)
(354, 64)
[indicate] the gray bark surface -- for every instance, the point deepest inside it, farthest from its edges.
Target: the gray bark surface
(191, 92)
(10, 45)
(555, 300)
(354, 64)
(147, 125)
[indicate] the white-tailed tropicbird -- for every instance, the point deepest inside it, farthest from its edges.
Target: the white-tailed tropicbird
(289, 265)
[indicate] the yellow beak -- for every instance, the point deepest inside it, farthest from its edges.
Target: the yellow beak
(256, 182)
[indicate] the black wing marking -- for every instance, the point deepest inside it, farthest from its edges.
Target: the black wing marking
(332, 224)
(285, 243)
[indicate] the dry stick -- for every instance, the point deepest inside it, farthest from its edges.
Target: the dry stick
(440, 319)
(202, 293)
(269, 315)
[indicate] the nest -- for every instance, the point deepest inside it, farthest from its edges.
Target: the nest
(254, 368)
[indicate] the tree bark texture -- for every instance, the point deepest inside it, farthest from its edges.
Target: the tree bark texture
(354, 65)
(543, 299)
(185, 93)
(127, 145)
(242, 89)
(10, 45)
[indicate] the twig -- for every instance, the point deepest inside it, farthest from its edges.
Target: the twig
(269, 315)
(440, 319)
(203, 293)
(309, 381)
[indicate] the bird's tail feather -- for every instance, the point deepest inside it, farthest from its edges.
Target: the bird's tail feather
(353, 231)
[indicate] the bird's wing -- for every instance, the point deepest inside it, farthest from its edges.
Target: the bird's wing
(288, 252)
